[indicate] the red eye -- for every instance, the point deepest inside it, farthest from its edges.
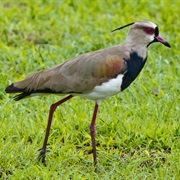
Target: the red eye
(149, 30)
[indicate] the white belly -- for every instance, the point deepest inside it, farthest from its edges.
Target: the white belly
(105, 90)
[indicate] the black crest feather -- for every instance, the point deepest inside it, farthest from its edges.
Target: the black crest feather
(123, 26)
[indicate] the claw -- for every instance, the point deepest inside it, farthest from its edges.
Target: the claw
(42, 156)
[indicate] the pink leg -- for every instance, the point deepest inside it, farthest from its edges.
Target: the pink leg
(51, 112)
(92, 131)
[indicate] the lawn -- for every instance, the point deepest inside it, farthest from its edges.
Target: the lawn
(138, 130)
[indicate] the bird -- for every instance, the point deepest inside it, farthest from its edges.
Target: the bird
(95, 75)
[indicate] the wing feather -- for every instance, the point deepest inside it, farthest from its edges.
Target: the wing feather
(77, 75)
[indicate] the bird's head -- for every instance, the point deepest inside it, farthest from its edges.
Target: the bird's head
(144, 32)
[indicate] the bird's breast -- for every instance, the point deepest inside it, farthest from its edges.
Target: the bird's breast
(134, 66)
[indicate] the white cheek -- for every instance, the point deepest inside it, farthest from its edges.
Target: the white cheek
(151, 38)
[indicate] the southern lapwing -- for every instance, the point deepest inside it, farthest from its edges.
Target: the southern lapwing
(95, 75)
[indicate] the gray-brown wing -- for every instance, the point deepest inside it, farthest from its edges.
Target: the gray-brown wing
(77, 75)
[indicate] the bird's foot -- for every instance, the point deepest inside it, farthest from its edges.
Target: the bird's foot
(42, 156)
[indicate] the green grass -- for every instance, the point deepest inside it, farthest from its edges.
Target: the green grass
(137, 130)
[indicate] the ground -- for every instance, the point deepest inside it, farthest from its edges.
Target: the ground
(137, 130)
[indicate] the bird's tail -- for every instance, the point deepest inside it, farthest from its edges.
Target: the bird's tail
(13, 89)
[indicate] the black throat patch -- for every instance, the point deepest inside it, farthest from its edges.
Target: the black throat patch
(134, 67)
